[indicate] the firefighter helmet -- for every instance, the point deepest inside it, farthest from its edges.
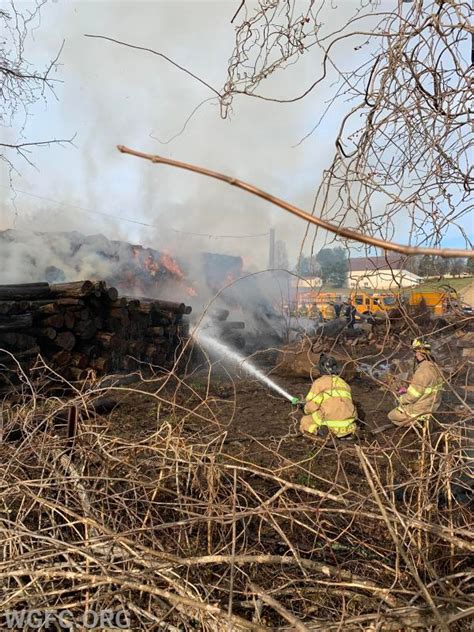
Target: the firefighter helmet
(328, 365)
(420, 345)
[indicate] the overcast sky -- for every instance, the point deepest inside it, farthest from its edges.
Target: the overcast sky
(112, 95)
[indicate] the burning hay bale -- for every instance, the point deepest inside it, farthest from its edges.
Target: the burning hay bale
(85, 325)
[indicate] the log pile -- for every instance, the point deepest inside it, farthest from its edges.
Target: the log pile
(85, 325)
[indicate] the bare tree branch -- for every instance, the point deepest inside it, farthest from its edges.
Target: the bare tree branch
(21, 85)
(162, 55)
(337, 230)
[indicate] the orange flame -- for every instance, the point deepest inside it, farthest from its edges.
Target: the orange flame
(167, 261)
(151, 265)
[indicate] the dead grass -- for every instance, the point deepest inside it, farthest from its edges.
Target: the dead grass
(160, 509)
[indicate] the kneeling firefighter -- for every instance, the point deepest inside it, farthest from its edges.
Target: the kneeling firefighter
(423, 396)
(329, 403)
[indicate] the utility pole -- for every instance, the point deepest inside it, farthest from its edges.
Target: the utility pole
(271, 254)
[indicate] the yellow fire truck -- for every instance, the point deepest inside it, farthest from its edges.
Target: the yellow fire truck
(438, 302)
(368, 304)
(317, 305)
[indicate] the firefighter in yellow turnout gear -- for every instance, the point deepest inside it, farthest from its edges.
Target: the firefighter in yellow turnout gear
(423, 396)
(329, 403)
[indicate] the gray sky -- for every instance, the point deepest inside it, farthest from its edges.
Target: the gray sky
(113, 95)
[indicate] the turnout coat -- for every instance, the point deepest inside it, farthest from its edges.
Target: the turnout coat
(423, 396)
(329, 403)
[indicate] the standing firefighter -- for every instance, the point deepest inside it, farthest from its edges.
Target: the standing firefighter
(329, 403)
(350, 314)
(423, 396)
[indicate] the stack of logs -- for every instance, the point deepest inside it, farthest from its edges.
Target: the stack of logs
(85, 325)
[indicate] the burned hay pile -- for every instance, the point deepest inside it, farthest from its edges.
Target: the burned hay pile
(84, 325)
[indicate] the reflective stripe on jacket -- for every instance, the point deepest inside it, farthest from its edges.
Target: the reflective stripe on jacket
(423, 396)
(329, 402)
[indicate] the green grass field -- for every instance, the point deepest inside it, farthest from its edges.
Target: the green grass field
(456, 284)
(432, 284)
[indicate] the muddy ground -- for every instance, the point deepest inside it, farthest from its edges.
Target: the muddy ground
(256, 421)
(253, 424)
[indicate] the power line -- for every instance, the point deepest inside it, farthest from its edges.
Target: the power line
(133, 221)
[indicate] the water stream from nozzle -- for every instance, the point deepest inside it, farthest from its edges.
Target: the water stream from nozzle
(223, 350)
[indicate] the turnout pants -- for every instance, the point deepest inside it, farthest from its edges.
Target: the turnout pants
(400, 418)
(307, 425)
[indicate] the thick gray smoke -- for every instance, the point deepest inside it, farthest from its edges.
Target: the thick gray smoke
(28, 257)
(58, 257)
(207, 281)
(113, 95)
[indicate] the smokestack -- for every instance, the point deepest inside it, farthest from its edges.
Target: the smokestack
(271, 255)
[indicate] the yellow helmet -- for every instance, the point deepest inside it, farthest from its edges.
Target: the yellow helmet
(420, 345)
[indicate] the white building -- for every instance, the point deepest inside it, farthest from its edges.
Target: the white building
(307, 283)
(380, 273)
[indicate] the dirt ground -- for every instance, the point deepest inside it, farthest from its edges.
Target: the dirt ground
(253, 424)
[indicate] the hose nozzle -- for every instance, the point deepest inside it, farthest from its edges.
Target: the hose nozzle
(299, 402)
